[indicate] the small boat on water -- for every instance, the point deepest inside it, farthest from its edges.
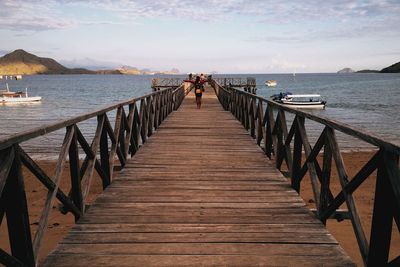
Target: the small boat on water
(310, 101)
(6, 96)
(271, 83)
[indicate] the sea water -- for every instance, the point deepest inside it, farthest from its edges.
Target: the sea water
(365, 101)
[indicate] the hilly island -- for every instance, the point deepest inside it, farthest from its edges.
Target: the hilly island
(395, 68)
(22, 62)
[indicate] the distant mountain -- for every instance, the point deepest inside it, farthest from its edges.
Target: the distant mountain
(368, 71)
(129, 70)
(395, 68)
(346, 70)
(22, 62)
(108, 72)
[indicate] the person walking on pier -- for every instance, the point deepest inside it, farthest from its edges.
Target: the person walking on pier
(198, 89)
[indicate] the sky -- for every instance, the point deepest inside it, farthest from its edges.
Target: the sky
(225, 36)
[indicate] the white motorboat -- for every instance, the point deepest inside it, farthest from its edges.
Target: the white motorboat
(310, 101)
(6, 96)
(271, 83)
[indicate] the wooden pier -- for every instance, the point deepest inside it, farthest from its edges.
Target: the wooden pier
(199, 192)
(198, 187)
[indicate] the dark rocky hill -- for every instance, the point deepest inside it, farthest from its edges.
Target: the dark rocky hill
(395, 68)
(22, 62)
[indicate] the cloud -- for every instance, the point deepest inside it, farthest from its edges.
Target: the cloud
(340, 10)
(41, 15)
(270, 11)
(384, 29)
(332, 21)
(195, 9)
(31, 15)
(3, 52)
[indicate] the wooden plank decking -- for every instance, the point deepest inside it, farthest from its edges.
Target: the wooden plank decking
(200, 192)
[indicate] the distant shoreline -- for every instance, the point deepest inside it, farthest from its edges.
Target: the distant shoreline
(185, 74)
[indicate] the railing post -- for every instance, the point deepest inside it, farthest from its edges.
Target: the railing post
(279, 148)
(234, 103)
(163, 107)
(170, 101)
(16, 211)
(135, 131)
(121, 125)
(238, 108)
(297, 151)
(142, 125)
(157, 111)
(104, 154)
(270, 143)
(287, 151)
(385, 209)
(246, 111)
(325, 179)
(260, 119)
(76, 190)
(175, 97)
(150, 115)
(252, 111)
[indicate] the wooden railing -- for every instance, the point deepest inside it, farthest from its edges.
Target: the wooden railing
(135, 121)
(248, 82)
(160, 83)
(266, 121)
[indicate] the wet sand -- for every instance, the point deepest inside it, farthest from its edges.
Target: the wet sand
(59, 224)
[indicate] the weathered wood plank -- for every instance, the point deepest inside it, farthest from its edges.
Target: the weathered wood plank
(261, 237)
(197, 228)
(201, 249)
(194, 260)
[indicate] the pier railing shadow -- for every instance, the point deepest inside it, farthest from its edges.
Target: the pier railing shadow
(135, 121)
(267, 124)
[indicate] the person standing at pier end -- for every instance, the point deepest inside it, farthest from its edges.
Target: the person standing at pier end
(198, 89)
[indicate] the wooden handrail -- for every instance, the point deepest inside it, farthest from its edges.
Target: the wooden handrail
(257, 115)
(132, 128)
(158, 83)
(237, 81)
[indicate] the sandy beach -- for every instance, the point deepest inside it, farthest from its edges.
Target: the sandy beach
(59, 224)
(364, 198)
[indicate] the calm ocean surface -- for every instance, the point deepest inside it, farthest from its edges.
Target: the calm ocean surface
(368, 101)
